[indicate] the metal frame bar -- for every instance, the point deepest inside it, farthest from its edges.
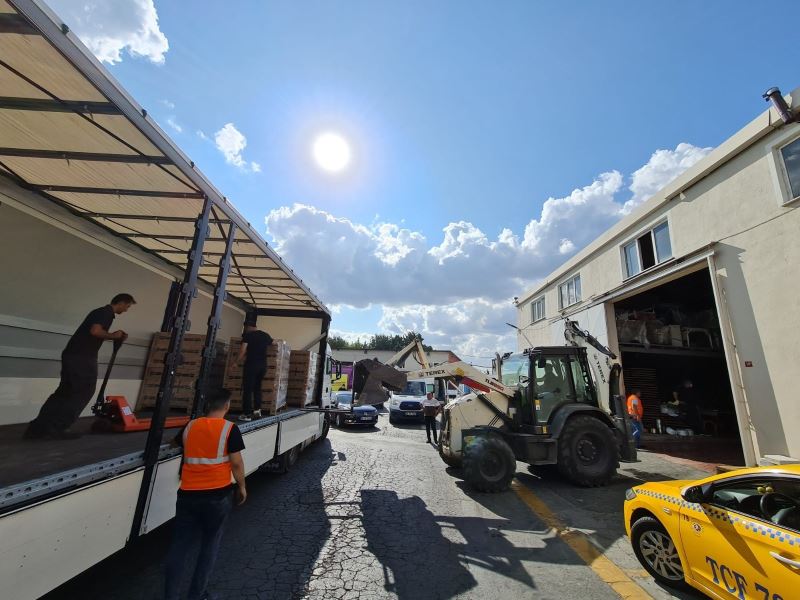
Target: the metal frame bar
(14, 23)
(302, 314)
(44, 105)
(326, 324)
(123, 216)
(76, 189)
(85, 156)
(209, 349)
(171, 363)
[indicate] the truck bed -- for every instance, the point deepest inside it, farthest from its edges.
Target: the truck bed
(23, 461)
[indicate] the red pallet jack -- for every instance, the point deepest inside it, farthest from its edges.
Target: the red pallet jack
(115, 414)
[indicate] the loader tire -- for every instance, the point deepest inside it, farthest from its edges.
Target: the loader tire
(587, 452)
(489, 464)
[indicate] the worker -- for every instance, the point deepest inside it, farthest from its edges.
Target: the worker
(430, 408)
(687, 402)
(253, 356)
(212, 453)
(636, 413)
(78, 372)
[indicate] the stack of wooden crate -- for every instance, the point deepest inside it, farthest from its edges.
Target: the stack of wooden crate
(274, 385)
(185, 375)
(302, 378)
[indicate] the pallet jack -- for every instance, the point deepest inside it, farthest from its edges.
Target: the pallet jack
(114, 414)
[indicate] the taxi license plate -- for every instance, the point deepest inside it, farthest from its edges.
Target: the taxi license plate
(411, 414)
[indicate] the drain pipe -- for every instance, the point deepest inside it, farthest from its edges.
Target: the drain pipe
(774, 95)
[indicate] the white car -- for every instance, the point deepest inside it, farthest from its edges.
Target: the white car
(407, 405)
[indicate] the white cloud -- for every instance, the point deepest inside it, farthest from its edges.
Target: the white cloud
(172, 123)
(109, 28)
(231, 142)
(663, 167)
(457, 290)
(201, 135)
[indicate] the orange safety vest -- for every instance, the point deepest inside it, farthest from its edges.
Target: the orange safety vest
(206, 464)
(635, 407)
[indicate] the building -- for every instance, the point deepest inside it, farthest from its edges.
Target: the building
(700, 282)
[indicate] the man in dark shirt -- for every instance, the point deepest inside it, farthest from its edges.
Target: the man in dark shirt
(254, 356)
(78, 372)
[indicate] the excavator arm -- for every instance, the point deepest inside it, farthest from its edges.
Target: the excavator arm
(464, 373)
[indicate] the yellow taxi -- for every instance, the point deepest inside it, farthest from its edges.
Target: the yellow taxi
(735, 535)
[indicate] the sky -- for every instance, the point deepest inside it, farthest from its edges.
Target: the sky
(489, 141)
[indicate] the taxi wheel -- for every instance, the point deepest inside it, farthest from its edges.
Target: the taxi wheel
(657, 552)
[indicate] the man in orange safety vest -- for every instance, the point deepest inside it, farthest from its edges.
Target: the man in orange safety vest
(636, 413)
(212, 457)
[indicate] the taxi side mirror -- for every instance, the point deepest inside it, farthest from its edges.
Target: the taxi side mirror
(697, 494)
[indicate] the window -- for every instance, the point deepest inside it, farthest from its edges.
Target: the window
(648, 250)
(569, 292)
(537, 309)
(791, 164)
(747, 496)
(514, 368)
(552, 386)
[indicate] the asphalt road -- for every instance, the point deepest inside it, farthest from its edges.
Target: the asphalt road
(374, 513)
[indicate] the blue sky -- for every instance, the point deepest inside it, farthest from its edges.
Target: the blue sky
(463, 118)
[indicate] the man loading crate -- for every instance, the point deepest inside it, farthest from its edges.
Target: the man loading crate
(78, 372)
(253, 356)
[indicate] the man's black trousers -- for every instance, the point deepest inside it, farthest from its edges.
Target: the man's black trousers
(74, 392)
(430, 427)
(252, 376)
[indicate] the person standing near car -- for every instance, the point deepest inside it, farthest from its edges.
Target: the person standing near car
(78, 372)
(430, 408)
(212, 455)
(253, 356)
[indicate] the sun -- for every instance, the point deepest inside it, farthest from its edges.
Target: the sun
(331, 152)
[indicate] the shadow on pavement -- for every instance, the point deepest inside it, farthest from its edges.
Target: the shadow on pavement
(432, 559)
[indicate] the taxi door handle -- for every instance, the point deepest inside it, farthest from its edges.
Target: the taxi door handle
(784, 560)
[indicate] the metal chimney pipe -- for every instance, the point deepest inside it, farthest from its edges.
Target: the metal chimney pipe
(774, 95)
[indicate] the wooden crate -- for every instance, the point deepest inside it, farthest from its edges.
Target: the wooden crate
(186, 373)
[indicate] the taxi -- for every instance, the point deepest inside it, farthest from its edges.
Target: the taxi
(735, 535)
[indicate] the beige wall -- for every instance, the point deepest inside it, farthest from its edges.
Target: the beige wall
(738, 209)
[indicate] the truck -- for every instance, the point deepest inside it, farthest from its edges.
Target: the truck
(546, 406)
(95, 199)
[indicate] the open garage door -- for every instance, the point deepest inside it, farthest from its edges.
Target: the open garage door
(671, 348)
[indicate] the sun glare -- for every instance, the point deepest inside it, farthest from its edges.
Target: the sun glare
(331, 152)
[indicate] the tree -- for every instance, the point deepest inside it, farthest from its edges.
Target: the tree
(379, 341)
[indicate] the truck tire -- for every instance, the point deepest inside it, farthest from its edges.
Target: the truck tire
(450, 461)
(489, 464)
(287, 460)
(587, 452)
(326, 427)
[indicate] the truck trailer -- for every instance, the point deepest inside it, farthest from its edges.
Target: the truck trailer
(95, 200)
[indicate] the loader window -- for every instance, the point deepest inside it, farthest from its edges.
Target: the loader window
(552, 386)
(514, 367)
(581, 385)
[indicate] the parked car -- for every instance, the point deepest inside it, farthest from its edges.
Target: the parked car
(735, 535)
(360, 415)
(407, 404)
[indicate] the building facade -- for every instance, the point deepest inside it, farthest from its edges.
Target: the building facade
(700, 283)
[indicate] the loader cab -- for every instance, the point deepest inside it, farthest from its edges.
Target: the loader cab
(547, 378)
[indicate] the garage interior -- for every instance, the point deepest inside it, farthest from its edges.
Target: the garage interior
(668, 335)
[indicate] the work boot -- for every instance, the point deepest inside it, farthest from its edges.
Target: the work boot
(257, 414)
(245, 418)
